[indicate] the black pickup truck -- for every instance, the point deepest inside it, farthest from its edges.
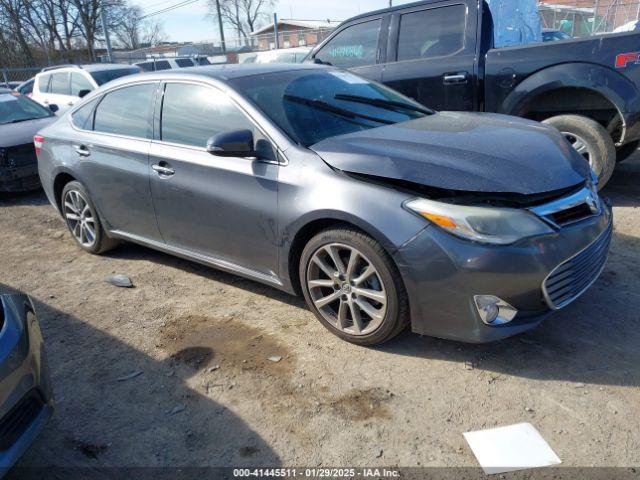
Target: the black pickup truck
(441, 53)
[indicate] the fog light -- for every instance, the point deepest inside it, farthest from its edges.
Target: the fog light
(494, 310)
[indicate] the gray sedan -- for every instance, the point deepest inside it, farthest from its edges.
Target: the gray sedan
(381, 212)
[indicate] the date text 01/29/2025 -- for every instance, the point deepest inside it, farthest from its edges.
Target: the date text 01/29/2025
(315, 473)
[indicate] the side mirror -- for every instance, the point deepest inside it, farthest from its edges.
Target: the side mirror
(84, 93)
(53, 107)
(238, 143)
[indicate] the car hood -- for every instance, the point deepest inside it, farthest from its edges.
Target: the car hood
(473, 152)
(13, 134)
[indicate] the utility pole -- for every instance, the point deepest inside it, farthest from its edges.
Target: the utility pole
(103, 18)
(595, 17)
(390, 3)
(222, 41)
(275, 30)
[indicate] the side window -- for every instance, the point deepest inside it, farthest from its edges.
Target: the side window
(191, 114)
(60, 83)
(355, 46)
(162, 65)
(184, 62)
(83, 117)
(126, 111)
(44, 83)
(78, 83)
(435, 32)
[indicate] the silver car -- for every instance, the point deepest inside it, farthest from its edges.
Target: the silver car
(381, 212)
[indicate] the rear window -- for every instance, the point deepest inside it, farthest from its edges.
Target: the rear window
(436, 32)
(126, 111)
(104, 76)
(146, 66)
(184, 62)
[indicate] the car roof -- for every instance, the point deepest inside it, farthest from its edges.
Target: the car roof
(90, 67)
(231, 71)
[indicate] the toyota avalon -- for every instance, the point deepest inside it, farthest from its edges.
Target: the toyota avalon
(381, 212)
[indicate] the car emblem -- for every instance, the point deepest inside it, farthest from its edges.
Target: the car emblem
(592, 203)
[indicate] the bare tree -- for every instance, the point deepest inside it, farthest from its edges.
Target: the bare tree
(244, 16)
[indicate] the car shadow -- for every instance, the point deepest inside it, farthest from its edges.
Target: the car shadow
(142, 415)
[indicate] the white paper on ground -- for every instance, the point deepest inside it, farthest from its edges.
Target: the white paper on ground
(505, 449)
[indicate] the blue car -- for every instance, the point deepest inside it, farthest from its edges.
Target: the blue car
(26, 397)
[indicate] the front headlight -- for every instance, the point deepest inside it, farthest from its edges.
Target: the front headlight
(499, 226)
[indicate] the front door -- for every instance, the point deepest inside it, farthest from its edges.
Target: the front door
(223, 208)
(431, 55)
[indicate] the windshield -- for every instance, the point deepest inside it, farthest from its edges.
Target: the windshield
(16, 108)
(311, 105)
(104, 76)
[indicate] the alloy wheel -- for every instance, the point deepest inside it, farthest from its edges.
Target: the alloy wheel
(80, 218)
(580, 146)
(346, 289)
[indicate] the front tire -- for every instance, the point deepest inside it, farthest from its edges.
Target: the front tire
(591, 140)
(353, 287)
(82, 220)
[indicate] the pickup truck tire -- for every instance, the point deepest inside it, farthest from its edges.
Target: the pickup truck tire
(591, 140)
(627, 150)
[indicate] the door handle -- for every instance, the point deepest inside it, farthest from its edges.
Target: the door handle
(162, 170)
(70, 104)
(454, 78)
(82, 150)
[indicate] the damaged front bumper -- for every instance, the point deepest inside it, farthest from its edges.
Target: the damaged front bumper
(443, 274)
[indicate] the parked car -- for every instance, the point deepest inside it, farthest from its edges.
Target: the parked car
(20, 119)
(64, 85)
(26, 397)
(26, 88)
(283, 55)
(632, 26)
(549, 35)
(155, 65)
(442, 55)
(314, 180)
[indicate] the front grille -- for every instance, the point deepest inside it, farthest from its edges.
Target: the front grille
(572, 277)
(20, 156)
(16, 422)
(571, 215)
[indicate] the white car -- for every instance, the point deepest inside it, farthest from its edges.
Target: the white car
(283, 55)
(66, 84)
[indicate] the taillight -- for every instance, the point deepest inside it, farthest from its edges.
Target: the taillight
(38, 141)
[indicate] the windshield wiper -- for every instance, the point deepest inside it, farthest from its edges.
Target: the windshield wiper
(380, 102)
(327, 107)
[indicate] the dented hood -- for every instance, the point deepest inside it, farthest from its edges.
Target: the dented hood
(473, 152)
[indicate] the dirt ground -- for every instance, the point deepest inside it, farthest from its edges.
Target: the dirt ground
(177, 371)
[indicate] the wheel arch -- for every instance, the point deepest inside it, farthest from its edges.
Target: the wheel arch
(309, 226)
(62, 178)
(562, 85)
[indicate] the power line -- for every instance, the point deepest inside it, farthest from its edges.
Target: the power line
(184, 3)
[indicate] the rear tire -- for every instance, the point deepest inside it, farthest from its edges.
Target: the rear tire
(362, 300)
(591, 140)
(82, 220)
(625, 151)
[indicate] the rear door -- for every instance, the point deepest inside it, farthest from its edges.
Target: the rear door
(359, 46)
(431, 55)
(112, 154)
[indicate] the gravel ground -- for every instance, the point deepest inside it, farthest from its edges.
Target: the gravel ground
(180, 370)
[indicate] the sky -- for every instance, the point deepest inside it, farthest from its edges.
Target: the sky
(189, 23)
